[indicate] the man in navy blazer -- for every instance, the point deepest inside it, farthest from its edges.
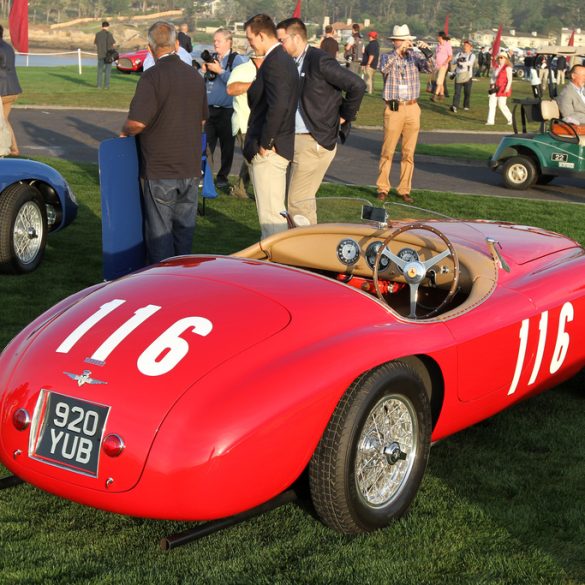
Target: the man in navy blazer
(571, 101)
(269, 146)
(330, 97)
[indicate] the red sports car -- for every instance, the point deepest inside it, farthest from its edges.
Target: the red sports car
(129, 62)
(205, 386)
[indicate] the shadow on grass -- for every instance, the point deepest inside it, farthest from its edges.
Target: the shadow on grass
(73, 78)
(524, 470)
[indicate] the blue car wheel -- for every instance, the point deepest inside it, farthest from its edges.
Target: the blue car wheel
(23, 228)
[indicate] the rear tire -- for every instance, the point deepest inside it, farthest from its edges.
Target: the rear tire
(371, 459)
(520, 172)
(23, 228)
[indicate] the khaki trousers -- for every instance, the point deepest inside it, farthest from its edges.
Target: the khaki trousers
(405, 124)
(268, 175)
(370, 78)
(309, 165)
(7, 101)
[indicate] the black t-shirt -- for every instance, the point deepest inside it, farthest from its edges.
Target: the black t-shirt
(372, 48)
(171, 101)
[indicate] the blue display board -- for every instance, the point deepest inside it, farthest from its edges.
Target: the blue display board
(122, 235)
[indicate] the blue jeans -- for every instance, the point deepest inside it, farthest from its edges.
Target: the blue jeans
(170, 212)
(103, 70)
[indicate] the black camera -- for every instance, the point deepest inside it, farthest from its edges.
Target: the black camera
(428, 53)
(207, 57)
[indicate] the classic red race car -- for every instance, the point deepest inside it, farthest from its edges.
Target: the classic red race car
(131, 62)
(205, 386)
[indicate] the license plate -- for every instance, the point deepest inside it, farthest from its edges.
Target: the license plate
(69, 433)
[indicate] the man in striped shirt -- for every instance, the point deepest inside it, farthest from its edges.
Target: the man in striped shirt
(400, 69)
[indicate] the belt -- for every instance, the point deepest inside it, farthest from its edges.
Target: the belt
(404, 103)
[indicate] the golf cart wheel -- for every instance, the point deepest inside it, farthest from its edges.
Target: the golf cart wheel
(23, 228)
(519, 73)
(519, 172)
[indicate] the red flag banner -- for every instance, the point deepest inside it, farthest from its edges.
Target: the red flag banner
(446, 27)
(572, 40)
(18, 25)
(297, 12)
(496, 46)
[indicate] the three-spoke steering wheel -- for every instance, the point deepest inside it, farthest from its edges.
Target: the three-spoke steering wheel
(415, 271)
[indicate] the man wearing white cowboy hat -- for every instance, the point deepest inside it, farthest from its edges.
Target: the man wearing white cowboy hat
(400, 69)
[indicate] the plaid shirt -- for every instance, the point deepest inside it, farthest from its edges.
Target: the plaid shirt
(404, 71)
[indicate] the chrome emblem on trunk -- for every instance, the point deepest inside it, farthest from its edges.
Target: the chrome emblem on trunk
(83, 378)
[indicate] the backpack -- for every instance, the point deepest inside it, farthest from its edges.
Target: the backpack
(111, 56)
(230, 62)
(357, 49)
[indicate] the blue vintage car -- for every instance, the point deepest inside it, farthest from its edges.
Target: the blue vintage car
(35, 200)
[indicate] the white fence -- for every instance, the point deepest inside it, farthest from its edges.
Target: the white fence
(65, 54)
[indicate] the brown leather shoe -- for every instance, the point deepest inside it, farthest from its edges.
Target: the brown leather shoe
(382, 196)
(405, 197)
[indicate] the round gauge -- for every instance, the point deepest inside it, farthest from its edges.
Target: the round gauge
(408, 255)
(371, 254)
(348, 251)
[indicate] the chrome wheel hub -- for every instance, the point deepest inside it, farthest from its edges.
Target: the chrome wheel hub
(28, 228)
(386, 450)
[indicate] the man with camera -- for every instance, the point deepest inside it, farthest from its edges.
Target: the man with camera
(217, 68)
(400, 69)
(463, 75)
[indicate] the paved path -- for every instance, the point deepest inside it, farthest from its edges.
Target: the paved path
(76, 134)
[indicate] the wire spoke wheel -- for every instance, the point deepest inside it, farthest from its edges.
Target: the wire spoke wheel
(386, 450)
(370, 461)
(28, 229)
(23, 228)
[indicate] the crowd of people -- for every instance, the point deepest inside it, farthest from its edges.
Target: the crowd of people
(287, 105)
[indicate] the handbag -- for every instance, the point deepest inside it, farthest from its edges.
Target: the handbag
(492, 90)
(462, 76)
(111, 56)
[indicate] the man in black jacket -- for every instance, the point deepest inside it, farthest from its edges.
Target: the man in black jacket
(269, 146)
(321, 109)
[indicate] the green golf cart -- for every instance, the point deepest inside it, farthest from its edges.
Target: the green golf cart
(557, 149)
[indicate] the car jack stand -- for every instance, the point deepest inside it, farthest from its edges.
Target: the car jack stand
(175, 540)
(10, 481)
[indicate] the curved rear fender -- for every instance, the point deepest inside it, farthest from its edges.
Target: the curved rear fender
(49, 182)
(254, 423)
(16, 347)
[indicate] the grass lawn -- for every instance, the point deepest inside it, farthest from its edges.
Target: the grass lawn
(501, 502)
(64, 86)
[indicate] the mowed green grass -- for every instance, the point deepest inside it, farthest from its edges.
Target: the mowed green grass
(501, 502)
(64, 86)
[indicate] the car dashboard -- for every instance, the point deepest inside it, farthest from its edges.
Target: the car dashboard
(349, 252)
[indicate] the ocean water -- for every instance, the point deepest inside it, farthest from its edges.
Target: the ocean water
(71, 58)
